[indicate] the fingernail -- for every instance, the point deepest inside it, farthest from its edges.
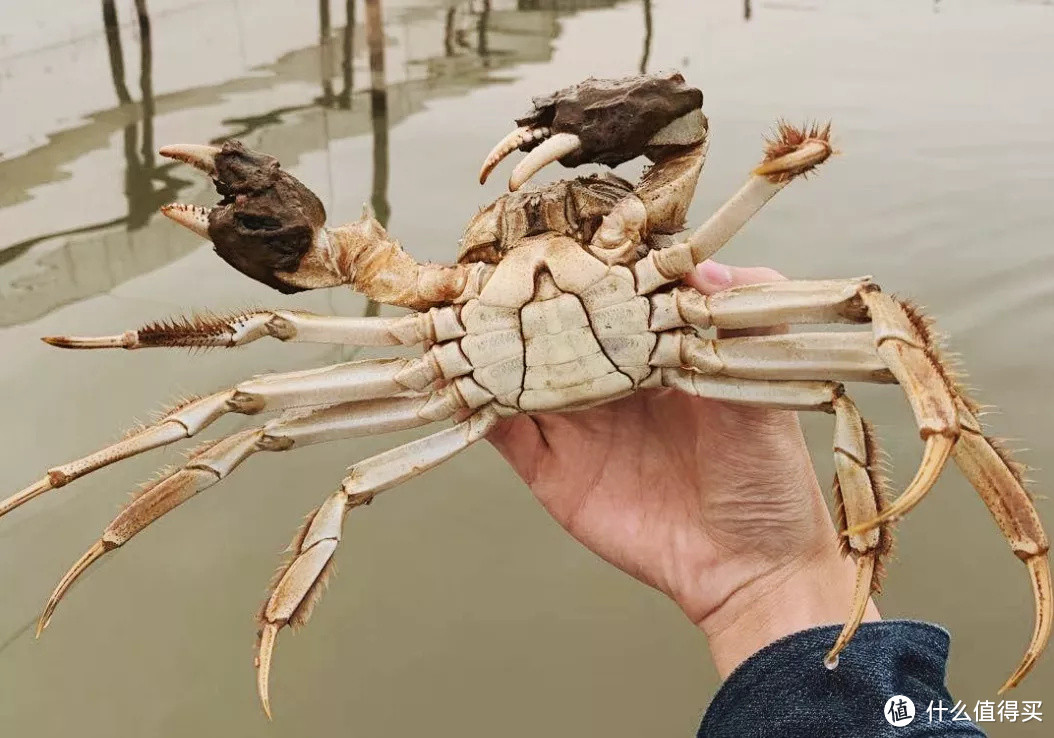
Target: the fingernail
(714, 275)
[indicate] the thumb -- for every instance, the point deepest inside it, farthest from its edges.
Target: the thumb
(710, 276)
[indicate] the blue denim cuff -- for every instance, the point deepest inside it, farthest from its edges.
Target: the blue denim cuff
(785, 689)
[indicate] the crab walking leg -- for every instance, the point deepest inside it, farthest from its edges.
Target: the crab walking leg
(860, 493)
(900, 343)
(214, 462)
(792, 153)
(225, 331)
(903, 342)
(760, 305)
(802, 356)
(183, 422)
(779, 395)
(859, 488)
(998, 481)
(360, 380)
(299, 583)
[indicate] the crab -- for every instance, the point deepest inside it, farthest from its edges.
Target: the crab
(562, 297)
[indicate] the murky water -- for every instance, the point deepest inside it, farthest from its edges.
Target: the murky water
(460, 609)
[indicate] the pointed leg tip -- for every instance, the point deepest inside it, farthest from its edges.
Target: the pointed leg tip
(60, 341)
(1019, 674)
(23, 496)
(934, 456)
(93, 553)
(865, 569)
(265, 651)
(45, 617)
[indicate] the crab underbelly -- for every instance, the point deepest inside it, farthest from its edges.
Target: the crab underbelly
(562, 351)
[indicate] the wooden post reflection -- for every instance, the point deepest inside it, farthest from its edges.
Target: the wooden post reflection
(146, 83)
(647, 37)
(379, 119)
(347, 55)
(482, 48)
(325, 51)
(449, 25)
(113, 46)
(140, 170)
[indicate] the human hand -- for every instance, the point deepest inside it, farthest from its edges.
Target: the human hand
(714, 504)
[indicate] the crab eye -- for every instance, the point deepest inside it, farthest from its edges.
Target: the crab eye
(257, 222)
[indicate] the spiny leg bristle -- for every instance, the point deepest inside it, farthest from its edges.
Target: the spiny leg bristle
(791, 151)
(197, 330)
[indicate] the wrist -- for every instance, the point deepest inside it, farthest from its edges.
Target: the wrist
(797, 596)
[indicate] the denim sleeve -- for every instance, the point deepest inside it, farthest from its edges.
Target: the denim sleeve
(785, 690)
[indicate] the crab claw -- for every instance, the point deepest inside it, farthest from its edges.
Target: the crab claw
(602, 121)
(199, 156)
(514, 140)
(553, 149)
(267, 225)
(194, 217)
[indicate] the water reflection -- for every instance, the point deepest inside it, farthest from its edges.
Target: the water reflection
(378, 111)
(92, 250)
(113, 45)
(148, 182)
(146, 185)
(348, 46)
(325, 49)
(643, 66)
(379, 117)
(457, 608)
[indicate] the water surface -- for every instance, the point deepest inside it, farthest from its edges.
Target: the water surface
(460, 608)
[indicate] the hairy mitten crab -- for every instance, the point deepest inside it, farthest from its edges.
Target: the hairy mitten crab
(562, 297)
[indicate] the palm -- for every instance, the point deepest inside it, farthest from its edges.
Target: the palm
(694, 497)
